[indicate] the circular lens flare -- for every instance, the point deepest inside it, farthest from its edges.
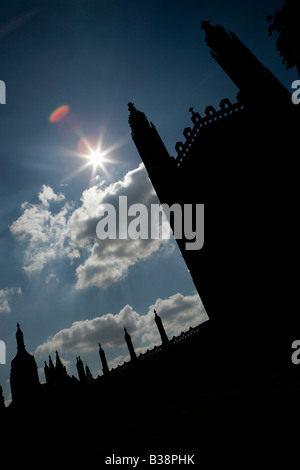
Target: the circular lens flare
(86, 145)
(59, 114)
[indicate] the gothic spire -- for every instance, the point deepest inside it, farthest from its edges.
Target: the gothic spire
(59, 365)
(88, 372)
(105, 368)
(51, 365)
(161, 329)
(24, 379)
(80, 369)
(20, 338)
(130, 345)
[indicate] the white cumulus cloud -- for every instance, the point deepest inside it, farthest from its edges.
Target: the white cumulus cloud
(47, 194)
(109, 260)
(71, 233)
(43, 233)
(177, 312)
(5, 296)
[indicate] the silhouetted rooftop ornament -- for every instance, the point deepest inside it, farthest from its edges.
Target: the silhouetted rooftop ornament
(130, 345)
(161, 329)
(103, 360)
(51, 365)
(88, 372)
(20, 338)
(58, 361)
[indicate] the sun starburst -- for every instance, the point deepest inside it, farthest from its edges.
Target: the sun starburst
(93, 155)
(96, 158)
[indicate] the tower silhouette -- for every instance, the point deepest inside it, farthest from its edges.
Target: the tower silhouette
(88, 373)
(255, 81)
(50, 377)
(80, 369)
(60, 370)
(130, 345)
(161, 329)
(24, 380)
(105, 368)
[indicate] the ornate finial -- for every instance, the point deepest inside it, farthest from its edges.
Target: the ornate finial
(191, 110)
(20, 338)
(131, 106)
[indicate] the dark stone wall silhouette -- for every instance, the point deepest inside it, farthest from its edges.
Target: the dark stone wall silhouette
(239, 161)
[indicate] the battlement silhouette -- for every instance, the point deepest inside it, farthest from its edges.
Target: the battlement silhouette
(26, 387)
(212, 116)
(184, 335)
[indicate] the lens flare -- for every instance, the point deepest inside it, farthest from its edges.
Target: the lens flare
(59, 114)
(86, 145)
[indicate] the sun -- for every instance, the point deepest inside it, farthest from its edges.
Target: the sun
(90, 150)
(96, 158)
(92, 154)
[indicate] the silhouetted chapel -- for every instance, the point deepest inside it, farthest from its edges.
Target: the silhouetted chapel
(232, 160)
(228, 161)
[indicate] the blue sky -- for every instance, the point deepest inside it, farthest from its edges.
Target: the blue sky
(67, 291)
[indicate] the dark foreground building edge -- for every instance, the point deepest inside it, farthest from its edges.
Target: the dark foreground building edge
(227, 385)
